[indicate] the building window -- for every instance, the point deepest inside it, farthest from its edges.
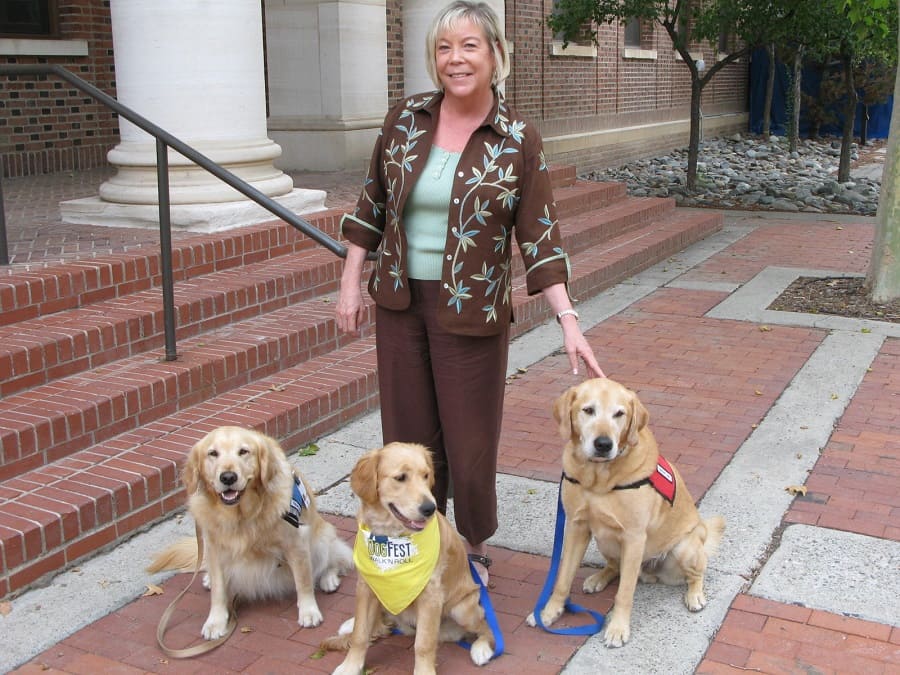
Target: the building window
(633, 32)
(28, 18)
(581, 45)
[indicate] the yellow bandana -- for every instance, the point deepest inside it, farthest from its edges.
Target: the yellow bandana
(397, 568)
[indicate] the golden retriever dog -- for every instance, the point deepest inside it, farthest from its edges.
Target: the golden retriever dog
(617, 488)
(394, 487)
(240, 489)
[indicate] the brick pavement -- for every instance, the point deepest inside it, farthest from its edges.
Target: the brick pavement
(707, 383)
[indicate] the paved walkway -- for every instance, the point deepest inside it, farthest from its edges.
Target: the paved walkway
(747, 402)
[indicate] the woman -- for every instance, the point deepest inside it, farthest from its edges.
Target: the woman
(454, 173)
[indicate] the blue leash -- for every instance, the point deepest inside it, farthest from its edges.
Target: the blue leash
(587, 629)
(484, 600)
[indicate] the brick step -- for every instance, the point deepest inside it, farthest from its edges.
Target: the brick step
(56, 514)
(583, 231)
(38, 351)
(44, 424)
(26, 295)
(562, 175)
(37, 293)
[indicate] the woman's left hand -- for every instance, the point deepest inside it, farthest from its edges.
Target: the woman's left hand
(577, 346)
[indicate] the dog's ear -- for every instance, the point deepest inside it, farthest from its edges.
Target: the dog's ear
(429, 460)
(267, 456)
(364, 477)
(562, 413)
(638, 417)
(190, 474)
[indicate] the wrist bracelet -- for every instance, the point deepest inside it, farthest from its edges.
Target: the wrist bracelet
(567, 312)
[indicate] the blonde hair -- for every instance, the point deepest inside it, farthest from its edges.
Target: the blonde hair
(483, 16)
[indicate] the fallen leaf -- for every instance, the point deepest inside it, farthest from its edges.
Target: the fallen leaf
(152, 589)
(318, 655)
(522, 370)
(531, 491)
(765, 329)
(104, 583)
(308, 450)
(326, 300)
(277, 387)
(246, 629)
(5, 608)
(799, 455)
(754, 426)
(866, 330)
(757, 392)
(804, 427)
(839, 228)
(834, 397)
(796, 490)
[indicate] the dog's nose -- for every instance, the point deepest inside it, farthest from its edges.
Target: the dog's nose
(427, 508)
(228, 478)
(603, 445)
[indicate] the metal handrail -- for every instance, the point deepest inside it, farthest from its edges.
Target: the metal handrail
(166, 140)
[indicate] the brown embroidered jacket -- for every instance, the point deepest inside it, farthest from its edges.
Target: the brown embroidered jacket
(501, 186)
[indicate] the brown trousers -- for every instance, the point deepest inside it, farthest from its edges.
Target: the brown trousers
(445, 391)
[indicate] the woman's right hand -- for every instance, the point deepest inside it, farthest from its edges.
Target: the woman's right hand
(350, 313)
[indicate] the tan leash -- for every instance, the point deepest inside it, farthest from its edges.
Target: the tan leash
(203, 647)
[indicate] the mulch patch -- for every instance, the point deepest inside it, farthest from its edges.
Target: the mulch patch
(841, 296)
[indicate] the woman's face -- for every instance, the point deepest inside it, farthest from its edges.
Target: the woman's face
(465, 60)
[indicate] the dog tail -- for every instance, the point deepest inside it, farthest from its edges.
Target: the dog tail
(715, 528)
(180, 557)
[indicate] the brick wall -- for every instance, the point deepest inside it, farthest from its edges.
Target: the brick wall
(46, 125)
(395, 50)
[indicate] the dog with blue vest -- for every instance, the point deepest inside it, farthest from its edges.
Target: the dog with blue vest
(262, 535)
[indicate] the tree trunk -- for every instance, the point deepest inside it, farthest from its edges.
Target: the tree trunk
(849, 118)
(770, 89)
(694, 142)
(795, 95)
(864, 126)
(883, 279)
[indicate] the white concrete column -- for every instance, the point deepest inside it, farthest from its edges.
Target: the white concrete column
(194, 68)
(417, 18)
(327, 70)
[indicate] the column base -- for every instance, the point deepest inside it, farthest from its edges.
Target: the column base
(187, 217)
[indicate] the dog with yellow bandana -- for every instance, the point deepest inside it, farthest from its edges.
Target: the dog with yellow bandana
(412, 564)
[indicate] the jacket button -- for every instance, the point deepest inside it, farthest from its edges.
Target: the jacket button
(456, 201)
(449, 257)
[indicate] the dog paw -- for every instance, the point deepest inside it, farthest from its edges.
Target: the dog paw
(617, 632)
(694, 601)
(481, 651)
(348, 669)
(309, 615)
(598, 581)
(548, 616)
(216, 625)
(330, 581)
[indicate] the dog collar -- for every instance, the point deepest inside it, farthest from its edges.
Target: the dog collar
(662, 480)
(397, 569)
(299, 501)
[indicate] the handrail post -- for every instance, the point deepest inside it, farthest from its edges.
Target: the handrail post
(165, 248)
(4, 248)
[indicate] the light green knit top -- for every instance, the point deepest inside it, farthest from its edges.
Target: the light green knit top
(426, 213)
